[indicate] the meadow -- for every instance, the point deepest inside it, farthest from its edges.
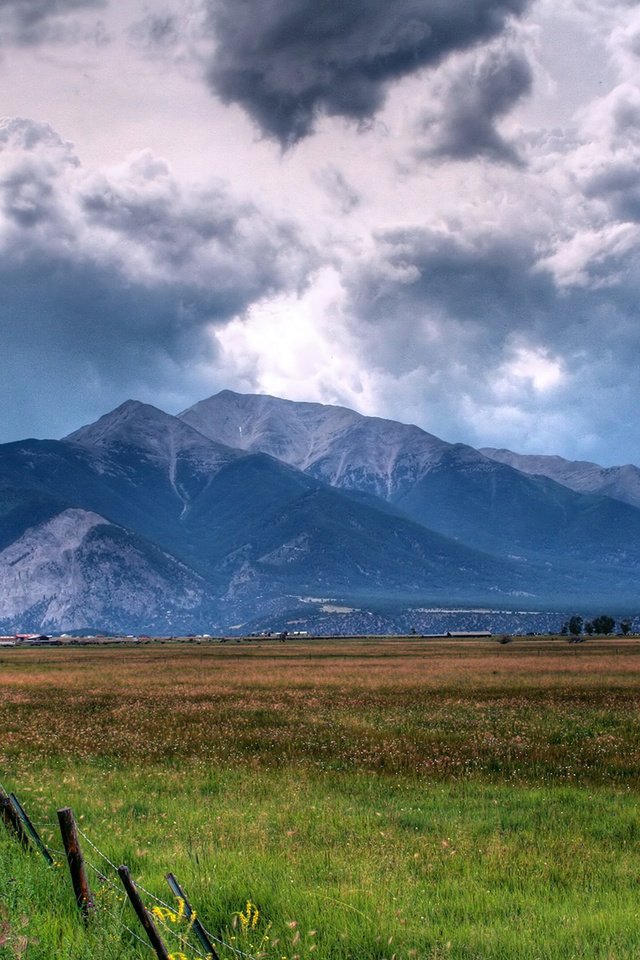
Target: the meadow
(333, 800)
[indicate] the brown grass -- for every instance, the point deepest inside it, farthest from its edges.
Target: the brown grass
(532, 709)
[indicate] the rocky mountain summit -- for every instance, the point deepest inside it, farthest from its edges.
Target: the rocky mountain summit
(245, 508)
(451, 488)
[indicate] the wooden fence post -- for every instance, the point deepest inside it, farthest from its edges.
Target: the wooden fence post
(143, 914)
(12, 819)
(31, 830)
(196, 926)
(69, 833)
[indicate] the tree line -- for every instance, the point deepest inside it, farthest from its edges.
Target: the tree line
(603, 625)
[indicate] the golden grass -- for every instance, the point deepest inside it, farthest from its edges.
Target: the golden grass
(532, 708)
(408, 799)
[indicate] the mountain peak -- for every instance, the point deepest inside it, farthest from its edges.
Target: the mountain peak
(333, 443)
(113, 426)
(158, 435)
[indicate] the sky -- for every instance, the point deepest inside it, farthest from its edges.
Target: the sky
(427, 210)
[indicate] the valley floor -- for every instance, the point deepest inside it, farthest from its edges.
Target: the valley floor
(418, 799)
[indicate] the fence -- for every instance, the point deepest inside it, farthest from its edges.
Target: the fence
(177, 924)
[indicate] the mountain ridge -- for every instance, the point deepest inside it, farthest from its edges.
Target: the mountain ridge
(254, 528)
(453, 489)
(619, 482)
(181, 529)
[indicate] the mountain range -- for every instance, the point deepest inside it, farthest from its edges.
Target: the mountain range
(249, 510)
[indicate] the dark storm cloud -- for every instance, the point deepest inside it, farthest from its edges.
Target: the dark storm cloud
(288, 61)
(461, 300)
(467, 322)
(34, 21)
(113, 276)
(462, 127)
(475, 279)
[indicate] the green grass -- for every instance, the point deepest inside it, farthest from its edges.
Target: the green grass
(371, 801)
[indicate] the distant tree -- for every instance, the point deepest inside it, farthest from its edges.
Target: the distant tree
(564, 629)
(603, 624)
(589, 628)
(575, 625)
(625, 627)
(505, 638)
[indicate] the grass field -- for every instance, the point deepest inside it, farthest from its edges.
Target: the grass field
(404, 799)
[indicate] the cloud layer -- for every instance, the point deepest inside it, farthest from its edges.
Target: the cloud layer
(461, 123)
(37, 21)
(287, 62)
(463, 251)
(115, 276)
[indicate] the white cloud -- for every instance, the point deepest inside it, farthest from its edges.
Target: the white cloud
(530, 368)
(295, 346)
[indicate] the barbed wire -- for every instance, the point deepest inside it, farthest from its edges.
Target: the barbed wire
(51, 825)
(100, 905)
(58, 853)
(97, 849)
(181, 938)
(134, 934)
(163, 903)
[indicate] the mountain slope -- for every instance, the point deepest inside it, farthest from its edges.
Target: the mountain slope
(334, 444)
(78, 571)
(450, 488)
(141, 521)
(252, 527)
(285, 532)
(253, 505)
(185, 457)
(621, 483)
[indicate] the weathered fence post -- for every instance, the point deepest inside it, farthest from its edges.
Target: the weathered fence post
(12, 819)
(31, 830)
(143, 914)
(196, 926)
(69, 833)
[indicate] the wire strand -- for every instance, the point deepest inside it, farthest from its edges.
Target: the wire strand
(134, 934)
(182, 940)
(163, 903)
(97, 850)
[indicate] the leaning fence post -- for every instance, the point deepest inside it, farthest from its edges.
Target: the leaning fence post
(196, 926)
(143, 914)
(69, 833)
(12, 819)
(31, 830)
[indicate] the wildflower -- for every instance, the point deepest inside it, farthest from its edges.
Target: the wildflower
(164, 913)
